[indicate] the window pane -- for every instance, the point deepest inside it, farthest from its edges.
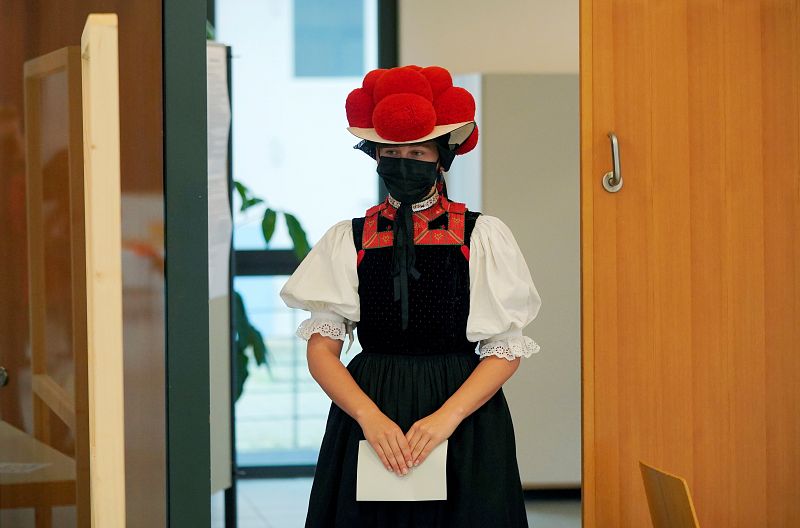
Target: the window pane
(281, 415)
(328, 38)
(290, 143)
(292, 149)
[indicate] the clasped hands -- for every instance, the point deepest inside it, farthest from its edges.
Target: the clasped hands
(399, 452)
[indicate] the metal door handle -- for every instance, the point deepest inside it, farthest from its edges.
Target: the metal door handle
(612, 181)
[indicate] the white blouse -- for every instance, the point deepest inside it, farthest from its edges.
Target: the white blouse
(503, 299)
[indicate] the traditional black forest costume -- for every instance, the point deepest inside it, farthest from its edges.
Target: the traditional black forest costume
(423, 280)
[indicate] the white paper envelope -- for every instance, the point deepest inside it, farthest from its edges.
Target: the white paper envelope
(427, 481)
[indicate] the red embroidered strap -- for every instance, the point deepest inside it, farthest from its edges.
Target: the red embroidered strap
(452, 235)
(370, 238)
(377, 208)
(456, 207)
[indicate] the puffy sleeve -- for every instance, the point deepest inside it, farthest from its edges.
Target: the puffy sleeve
(326, 284)
(503, 298)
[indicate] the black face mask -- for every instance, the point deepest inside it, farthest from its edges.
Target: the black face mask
(408, 180)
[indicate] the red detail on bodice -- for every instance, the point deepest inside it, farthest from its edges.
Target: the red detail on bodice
(423, 235)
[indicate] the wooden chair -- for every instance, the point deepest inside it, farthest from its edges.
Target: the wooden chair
(668, 498)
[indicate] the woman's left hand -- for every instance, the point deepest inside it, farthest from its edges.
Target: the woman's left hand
(429, 432)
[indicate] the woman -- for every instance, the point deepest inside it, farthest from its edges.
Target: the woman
(423, 279)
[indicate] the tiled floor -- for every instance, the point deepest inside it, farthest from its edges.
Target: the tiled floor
(281, 503)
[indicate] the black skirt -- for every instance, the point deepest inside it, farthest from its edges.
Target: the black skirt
(409, 374)
(483, 483)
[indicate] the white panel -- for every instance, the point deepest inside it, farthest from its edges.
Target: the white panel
(530, 179)
(220, 392)
(220, 227)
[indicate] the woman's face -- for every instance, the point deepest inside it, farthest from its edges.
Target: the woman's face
(421, 151)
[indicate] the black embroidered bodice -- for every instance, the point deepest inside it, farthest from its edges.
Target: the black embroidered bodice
(438, 300)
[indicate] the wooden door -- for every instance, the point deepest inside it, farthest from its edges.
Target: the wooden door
(691, 272)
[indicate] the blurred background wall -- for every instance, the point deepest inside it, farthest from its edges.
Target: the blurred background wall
(474, 36)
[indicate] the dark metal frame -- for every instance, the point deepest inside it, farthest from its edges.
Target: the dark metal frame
(388, 51)
(185, 207)
(555, 494)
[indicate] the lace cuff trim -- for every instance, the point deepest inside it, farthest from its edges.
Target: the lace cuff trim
(327, 328)
(332, 329)
(510, 349)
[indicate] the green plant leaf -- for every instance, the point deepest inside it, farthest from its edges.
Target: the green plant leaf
(256, 341)
(241, 325)
(241, 370)
(301, 246)
(247, 337)
(250, 202)
(242, 189)
(268, 224)
(239, 312)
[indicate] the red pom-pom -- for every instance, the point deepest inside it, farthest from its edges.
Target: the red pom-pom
(470, 143)
(359, 107)
(439, 79)
(455, 105)
(369, 80)
(412, 67)
(401, 80)
(403, 117)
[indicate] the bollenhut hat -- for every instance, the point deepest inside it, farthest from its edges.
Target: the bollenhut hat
(410, 104)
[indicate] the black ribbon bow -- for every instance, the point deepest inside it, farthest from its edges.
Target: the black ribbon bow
(403, 258)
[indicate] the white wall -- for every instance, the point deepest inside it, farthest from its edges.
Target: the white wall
(527, 168)
(477, 36)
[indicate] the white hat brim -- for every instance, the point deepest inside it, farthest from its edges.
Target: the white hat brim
(459, 132)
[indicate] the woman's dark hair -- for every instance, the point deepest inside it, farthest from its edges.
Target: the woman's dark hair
(446, 155)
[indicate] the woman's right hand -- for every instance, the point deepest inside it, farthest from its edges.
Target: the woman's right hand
(388, 441)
